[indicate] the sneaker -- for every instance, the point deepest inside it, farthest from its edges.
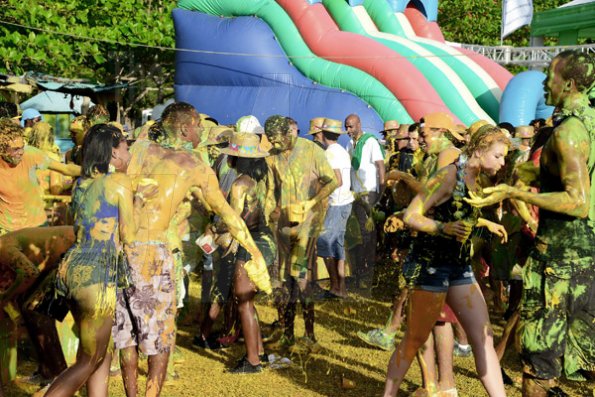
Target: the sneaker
(378, 338)
(210, 343)
(462, 350)
(264, 359)
(244, 368)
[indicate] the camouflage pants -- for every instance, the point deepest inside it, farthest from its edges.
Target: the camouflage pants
(557, 325)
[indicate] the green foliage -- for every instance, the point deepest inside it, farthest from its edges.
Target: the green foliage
(479, 21)
(92, 39)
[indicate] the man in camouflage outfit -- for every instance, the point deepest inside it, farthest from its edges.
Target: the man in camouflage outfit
(557, 324)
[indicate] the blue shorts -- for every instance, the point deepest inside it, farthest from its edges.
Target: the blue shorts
(429, 277)
(331, 242)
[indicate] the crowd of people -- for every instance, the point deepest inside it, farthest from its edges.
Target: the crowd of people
(478, 219)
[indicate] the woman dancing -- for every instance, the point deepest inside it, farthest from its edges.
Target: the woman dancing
(246, 197)
(102, 206)
(440, 257)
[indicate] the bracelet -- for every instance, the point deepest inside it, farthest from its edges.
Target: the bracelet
(139, 195)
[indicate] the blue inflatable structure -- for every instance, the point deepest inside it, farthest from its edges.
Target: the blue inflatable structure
(224, 71)
(523, 99)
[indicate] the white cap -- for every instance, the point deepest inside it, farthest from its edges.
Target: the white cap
(249, 124)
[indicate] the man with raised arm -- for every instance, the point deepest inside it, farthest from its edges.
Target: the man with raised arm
(145, 316)
(21, 202)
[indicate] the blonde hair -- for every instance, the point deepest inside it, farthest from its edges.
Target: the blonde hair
(485, 137)
(42, 137)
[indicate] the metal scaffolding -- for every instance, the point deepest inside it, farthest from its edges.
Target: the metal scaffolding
(533, 57)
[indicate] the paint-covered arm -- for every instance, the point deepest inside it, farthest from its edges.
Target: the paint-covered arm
(237, 196)
(56, 183)
(437, 190)
(494, 228)
(126, 204)
(408, 179)
(66, 169)
(328, 180)
(570, 141)
(256, 267)
(523, 210)
(270, 203)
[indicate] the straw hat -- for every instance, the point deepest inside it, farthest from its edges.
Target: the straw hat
(216, 135)
(390, 126)
(249, 124)
(315, 125)
(442, 120)
(332, 125)
(245, 145)
(524, 131)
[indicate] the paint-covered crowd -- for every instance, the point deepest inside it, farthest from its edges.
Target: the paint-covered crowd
(503, 214)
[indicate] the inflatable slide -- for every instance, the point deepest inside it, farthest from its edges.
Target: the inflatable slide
(381, 59)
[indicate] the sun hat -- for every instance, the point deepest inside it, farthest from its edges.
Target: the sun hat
(315, 125)
(390, 125)
(442, 120)
(216, 134)
(249, 124)
(332, 125)
(246, 145)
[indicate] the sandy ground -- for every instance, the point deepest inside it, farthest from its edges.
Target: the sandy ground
(343, 356)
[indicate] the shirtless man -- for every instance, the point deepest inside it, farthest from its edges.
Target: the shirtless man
(556, 328)
(175, 170)
(21, 202)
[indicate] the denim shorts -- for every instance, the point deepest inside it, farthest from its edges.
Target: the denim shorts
(331, 242)
(433, 278)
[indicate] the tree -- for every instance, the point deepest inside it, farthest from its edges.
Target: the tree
(107, 41)
(479, 21)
